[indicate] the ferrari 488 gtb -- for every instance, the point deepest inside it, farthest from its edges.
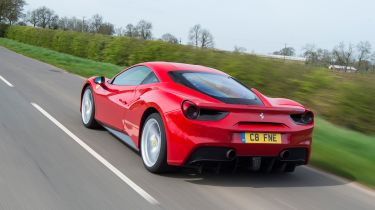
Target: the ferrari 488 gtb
(187, 115)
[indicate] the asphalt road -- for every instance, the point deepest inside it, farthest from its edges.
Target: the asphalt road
(51, 161)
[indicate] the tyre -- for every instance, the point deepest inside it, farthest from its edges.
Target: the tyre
(153, 144)
(88, 109)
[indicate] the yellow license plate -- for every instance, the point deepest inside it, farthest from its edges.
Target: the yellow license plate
(261, 138)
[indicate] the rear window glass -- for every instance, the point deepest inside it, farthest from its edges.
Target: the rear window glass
(221, 87)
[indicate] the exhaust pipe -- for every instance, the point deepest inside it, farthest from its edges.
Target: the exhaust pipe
(285, 154)
(231, 154)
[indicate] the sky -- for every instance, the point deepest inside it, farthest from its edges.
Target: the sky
(261, 26)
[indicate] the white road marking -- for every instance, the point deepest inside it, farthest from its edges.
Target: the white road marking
(6, 81)
(117, 172)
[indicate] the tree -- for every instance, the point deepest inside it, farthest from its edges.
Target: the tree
(106, 28)
(169, 38)
(144, 30)
(32, 17)
(316, 56)
(43, 17)
(194, 35)
(96, 22)
(119, 31)
(206, 39)
(200, 37)
(310, 53)
(63, 23)
(11, 10)
(286, 51)
(343, 55)
(54, 22)
(364, 52)
(131, 31)
(74, 24)
(325, 57)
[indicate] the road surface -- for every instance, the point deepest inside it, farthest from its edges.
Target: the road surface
(49, 160)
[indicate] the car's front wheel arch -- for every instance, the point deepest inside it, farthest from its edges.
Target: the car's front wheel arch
(82, 92)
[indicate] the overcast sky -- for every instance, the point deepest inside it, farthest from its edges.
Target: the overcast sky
(262, 26)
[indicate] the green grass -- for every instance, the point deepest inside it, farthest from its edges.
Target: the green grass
(73, 64)
(344, 152)
(339, 150)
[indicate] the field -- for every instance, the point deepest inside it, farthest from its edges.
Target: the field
(336, 149)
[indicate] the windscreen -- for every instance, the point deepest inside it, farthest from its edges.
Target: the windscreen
(221, 87)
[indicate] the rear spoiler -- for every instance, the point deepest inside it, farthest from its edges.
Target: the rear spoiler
(252, 108)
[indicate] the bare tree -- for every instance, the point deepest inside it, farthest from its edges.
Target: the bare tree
(364, 52)
(11, 10)
(316, 55)
(119, 31)
(343, 55)
(74, 24)
(169, 38)
(144, 30)
(96, 22)
(195, 34)
(325, 57)
(106, 28)
(32, 17)
(286, 51)
(206, 39)
(43, 17)
(54, 22)
(63, 23)
(131, 31)
(200, 37)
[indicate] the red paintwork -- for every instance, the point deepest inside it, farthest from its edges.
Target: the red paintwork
(122, 108)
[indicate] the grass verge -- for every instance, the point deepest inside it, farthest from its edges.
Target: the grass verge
(338, 150)
(344, 152)
(81, 66)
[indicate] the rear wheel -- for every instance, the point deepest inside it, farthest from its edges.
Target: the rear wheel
(88, 109)
(153, 144)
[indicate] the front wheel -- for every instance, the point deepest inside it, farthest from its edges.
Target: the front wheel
(153, 144)
(88, 109)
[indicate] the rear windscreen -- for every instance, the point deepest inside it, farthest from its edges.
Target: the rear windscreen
(221, 87)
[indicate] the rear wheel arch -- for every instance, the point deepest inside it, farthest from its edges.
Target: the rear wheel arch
(150, 110)
(146, 113)
(161, 165)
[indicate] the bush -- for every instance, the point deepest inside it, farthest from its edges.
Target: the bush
(3, 28)
(346, 99)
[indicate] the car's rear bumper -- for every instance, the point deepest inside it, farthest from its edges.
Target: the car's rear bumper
(227, 154)
(185, 137)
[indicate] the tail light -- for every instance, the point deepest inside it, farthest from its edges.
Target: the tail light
(193, 112)
(190, 110)
(304, 119)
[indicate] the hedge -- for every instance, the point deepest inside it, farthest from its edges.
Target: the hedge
(3, 28)
(346, 99)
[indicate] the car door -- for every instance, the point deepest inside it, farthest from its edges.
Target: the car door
(117, 95)
(132, 115)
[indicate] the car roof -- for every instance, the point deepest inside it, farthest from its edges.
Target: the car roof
(162, 66)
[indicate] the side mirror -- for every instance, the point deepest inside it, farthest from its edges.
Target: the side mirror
(99, 80)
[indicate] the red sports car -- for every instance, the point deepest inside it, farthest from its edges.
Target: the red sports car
(189, 115)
